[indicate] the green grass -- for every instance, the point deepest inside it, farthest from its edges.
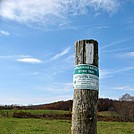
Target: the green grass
(43, 126)
(9, 113)
(46, 111)
(115, 128)
(34, 126)
(108, 114)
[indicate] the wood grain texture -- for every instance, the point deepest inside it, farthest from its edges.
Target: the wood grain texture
(84, 109)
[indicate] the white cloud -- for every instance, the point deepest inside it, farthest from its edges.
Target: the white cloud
(59, 87)
(108, 5)
(59, 55)
(130, 54)
(123, 69)
(29, 60)
(28, 100)
(35, 73)
(128, 88)
(70, 58)
(107, 96)
(126, 54)
(6, 33)
(49, 13)
(113, 43)
(116, 50)
(105, 73)
(25, 56)
(14, 56)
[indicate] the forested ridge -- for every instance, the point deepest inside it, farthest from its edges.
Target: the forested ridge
(124, 107)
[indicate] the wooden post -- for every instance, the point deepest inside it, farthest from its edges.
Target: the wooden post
(86, 87)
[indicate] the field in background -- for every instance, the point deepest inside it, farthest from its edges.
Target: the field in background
(10, 113)
(55, 114)
(108, 114)
(43, 126)
(45, 114)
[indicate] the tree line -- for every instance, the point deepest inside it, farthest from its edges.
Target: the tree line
(124, 107)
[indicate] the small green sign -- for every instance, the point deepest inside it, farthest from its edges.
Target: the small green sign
(86, 69)
(86, 77)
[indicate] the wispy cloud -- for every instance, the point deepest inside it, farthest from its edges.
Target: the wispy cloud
(70, 58)
(108, 5)
(29, 60)
(105, 73)
(51, 13)
(59, 55)
(128, 88)
(14, 56)
(25, 56)
(114, 43)
(59, 87)
(28, 100)
(130, 54)
(108, 96)
(5, 33)
(123, 69)
(116, 50)
(126, 55)
(102, 27)
(35, 73)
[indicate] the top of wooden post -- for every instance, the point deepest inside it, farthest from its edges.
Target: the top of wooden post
(86, 52)
(88, 40)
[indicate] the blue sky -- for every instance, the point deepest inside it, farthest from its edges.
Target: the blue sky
(37, 47)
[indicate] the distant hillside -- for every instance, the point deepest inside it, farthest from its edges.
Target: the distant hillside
(124, 109)
(60, 105)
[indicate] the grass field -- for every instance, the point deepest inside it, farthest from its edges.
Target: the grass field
(108, 114)
(43, 126)
(115, 128)
(9, 113)
(33, 126)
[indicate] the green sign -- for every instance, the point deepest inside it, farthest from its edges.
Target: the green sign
(86, 77)
(86, 69)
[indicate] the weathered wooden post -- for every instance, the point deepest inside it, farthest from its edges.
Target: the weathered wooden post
(86, 87)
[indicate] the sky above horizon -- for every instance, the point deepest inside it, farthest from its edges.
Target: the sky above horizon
(37, 47)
